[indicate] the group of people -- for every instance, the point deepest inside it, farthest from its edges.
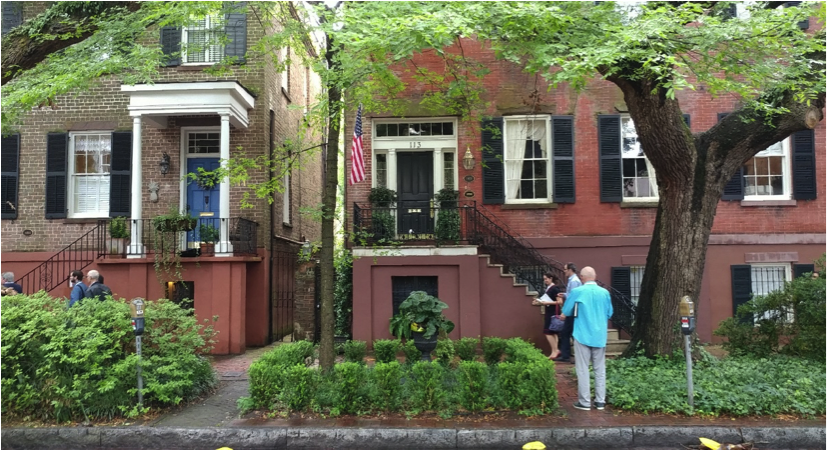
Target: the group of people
(585, 308)
(80, 290)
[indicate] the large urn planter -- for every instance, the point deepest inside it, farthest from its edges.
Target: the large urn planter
(425, 345)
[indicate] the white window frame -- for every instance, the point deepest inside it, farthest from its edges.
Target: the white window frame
(284, 54)
(211, 21)
(375, 167)
(652, 179)
(287, 205)
(787, 278)
(537, 117)
(786, 174)
(636, 281)
(70, 189)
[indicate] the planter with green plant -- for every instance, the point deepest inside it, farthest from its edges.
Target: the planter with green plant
(170, 242)
(174, 221)
(209, 235)
(119, 233)
(447, 223)
(382, 202)
(420, 316)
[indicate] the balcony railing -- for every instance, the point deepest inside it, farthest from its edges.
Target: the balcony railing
(464, 222)
(196, 237)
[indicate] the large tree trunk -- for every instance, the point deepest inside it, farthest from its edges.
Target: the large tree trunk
(326, 352)
(691, 173)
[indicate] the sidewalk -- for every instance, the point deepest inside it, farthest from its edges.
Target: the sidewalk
(214, 422)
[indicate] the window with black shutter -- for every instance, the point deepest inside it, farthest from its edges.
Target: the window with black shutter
(803, 269)
(57, 145)
(608, 137)
(804, 167)
(236, 29)
(493, 172)
(10, 176)
(171, 45)
(621, 280)
(120, 183)
(741, 289)
(686, 120)
(734, 189)
(562, 136)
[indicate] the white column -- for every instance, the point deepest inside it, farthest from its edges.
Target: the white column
(224, 248)
(136, 246)
(438, 170)
(392, 169)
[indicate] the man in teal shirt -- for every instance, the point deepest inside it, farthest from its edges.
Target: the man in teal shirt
(594, 308)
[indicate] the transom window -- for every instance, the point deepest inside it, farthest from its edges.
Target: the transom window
(527, 143)
(203, 142)
(639, 181)
(415, 129)
(767, 174)
(89, 174)
(202, 39)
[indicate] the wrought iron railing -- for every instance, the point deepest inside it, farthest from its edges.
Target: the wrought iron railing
(196, 237)
(473, 226)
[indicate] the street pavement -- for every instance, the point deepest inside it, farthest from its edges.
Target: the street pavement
(214, 422)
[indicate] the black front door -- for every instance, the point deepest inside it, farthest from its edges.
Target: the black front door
(415, 183)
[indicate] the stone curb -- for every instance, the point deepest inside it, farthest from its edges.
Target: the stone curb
(643, 437)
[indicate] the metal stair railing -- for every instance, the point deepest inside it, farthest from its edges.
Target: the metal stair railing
(78, 255)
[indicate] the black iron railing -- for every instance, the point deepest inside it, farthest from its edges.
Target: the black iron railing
(196, 237)
(464, 222)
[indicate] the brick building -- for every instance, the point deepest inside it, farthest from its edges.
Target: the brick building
(565, 180)
(125, 151)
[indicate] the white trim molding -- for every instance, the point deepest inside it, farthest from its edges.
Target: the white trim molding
(158, 101)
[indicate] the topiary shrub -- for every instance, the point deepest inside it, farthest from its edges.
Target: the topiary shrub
(466, 348)
(412, 355)
(444, 351)
(492, 349)
(387, 377)
(355, 351)
(385, 350)
(472, 379)
(425, 387)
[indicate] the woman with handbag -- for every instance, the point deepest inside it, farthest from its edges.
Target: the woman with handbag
(552, 309)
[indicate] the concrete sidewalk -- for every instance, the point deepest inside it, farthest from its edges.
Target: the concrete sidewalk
(214, 422)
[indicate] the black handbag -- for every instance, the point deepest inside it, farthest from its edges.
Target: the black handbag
(556, 324)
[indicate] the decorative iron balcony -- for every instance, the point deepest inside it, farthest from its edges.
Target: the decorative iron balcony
(191, 237)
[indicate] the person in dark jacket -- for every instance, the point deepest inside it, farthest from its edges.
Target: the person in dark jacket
(96, 288)
(78, 287)
(8, 282)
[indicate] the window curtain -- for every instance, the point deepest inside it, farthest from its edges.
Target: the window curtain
(518, 133)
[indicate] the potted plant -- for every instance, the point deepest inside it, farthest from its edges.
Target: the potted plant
(174, 221)
(382, 201)
(209, 235)
(119, 232)
(447, 222)
(420, 316)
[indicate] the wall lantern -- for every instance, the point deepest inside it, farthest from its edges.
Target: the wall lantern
(468, 159)
(164, 164)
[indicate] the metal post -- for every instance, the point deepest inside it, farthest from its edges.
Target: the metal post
(689, 385)
(140, 378)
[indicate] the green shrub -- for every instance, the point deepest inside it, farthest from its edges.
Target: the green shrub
(736, 386)
(412, 355)
(385, 350)
(425, 387)
(472, 378)
(466, 348)
(492, 349)
(448, 219)
(351, 378)
(517, 350)
(526, 382)
(388, 379)
(444, 351)
(343, 292)
(299, 386)
(290, 353)
(80, 363)
(790, 321)
(355, 351)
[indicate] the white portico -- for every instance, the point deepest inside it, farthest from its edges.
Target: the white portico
(157, 102)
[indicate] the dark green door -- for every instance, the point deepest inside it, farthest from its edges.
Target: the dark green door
(415, 183)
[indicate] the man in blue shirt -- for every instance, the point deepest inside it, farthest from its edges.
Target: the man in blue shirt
(78, 287)
(594, 308)
(565, 335)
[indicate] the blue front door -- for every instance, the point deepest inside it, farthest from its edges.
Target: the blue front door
(202, 201)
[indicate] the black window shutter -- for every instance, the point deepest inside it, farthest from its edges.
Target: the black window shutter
(493, 170)
(608, 137)
(622, 280)
(10, 163)
(12, 16)
(801, 269)
(57, 146)
(741, 289)
(734, 188)
(804, 24)
(120, 184)
(171, 45)
(562, 147)
(686, 119)
(804, 165)
(236, 29)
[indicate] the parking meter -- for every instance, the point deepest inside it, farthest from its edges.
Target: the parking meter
(687, 315)
(137, 307)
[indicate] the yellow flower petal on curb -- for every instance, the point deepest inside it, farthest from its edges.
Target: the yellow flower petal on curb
(534, 445)
(224, 449)
(711, 444)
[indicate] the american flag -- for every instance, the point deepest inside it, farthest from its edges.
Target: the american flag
(357, 157)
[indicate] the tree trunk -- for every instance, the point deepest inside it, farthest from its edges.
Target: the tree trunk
(326, 352)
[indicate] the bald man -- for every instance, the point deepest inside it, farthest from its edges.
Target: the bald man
(96, 288)
(594, 308)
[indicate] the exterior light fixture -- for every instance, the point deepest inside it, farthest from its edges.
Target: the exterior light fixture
(468, 159)
(164, 164)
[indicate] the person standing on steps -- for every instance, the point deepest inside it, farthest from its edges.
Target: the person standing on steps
(593, 305)
(552, 308)
(564, 338)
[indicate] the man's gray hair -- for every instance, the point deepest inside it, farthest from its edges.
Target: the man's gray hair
(8, 276)
(93, 275)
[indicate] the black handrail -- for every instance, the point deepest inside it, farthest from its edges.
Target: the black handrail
(514, 253)
(77, 255)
